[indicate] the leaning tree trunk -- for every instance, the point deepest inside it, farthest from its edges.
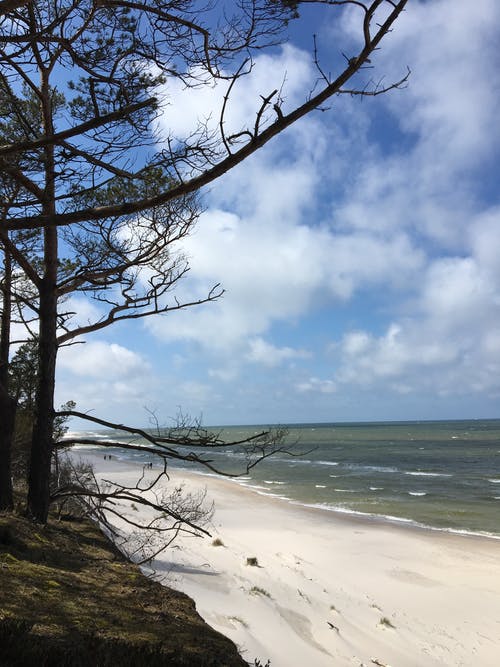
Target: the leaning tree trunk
(7, 404)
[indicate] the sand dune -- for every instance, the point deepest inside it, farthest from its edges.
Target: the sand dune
(334, 591)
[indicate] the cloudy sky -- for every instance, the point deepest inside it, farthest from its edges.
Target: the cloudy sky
(358, 251)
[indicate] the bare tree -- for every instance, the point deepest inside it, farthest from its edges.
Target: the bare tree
(83, 83)
(168, 512)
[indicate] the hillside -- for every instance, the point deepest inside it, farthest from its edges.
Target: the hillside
(67, 597)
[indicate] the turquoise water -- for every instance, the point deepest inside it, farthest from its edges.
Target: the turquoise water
(444, 475)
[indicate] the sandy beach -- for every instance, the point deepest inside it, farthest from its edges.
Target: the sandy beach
(329, 590)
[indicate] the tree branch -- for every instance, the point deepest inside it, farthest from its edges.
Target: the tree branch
(92, 124)
(230, 161)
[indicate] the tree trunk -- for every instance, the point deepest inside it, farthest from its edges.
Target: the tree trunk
(8, 414)
(7, 404)
(43, 428)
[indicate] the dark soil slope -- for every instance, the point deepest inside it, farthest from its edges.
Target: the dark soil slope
(68, 598)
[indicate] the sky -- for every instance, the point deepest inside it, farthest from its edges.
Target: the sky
(358, 250)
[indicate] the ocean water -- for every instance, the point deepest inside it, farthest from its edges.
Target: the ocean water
(444, 475)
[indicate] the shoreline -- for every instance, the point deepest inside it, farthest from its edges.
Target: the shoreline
(340, 514)
(332, 589)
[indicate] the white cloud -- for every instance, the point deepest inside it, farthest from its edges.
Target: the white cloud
(196, 392)
(315, 385)
(446, 119)
(83, 311)
(262, 352)
(387, 208)
(484, 241)
(288, 71)
(451, 98)
(274, 270)
(449, 343)
(98, 359)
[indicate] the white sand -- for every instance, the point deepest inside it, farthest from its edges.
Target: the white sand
(324, 583)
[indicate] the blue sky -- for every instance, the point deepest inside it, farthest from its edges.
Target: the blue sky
(359, 251)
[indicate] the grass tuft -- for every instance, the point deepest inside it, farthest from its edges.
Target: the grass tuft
(218, 542)
(256, 590)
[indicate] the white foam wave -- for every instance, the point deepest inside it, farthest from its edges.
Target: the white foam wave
(417, 493)
(494, 481)
(398, 519)
(264, 491)
(374, 468)
(418, 473)
(77, 447)
(346, 490)
(320, 486)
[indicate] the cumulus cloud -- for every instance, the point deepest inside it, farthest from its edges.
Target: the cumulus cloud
(386, 211)
(446, 119)
(288, 71)
(449, 342)
(262, 352)
(274, 272)
(316, 385)
(82, 311)
(100, 359)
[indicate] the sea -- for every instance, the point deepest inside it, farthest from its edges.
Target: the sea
(442, 475)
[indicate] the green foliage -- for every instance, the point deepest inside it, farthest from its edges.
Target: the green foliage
(60, 423)
(23, 375)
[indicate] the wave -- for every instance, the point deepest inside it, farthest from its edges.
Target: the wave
(398, 519)
(419, 473)
(305, 462)
(77, 447)
(86, 434)
(417, 493)
(376, 488)
(355, 466)
(494, 481)
(254, 486)
(272, 481)
(320, 486)
(345, 490)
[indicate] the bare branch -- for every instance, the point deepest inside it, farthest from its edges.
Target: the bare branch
(212, 166)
